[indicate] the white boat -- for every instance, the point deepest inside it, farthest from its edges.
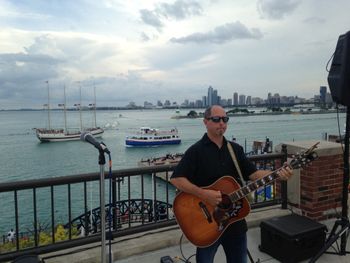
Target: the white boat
(147, 136)
(57, 135)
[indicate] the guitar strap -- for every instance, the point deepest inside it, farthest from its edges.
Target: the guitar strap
(233, 155)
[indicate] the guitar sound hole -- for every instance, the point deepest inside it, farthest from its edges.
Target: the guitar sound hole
(225, 203)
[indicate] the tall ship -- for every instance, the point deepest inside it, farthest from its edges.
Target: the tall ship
(148, 136)
(64, 134)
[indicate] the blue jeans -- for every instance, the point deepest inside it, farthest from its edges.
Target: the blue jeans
(235, 248)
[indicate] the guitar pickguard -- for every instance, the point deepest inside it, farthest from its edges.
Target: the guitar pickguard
(223, 214)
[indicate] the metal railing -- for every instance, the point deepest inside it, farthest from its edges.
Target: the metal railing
(140, 201)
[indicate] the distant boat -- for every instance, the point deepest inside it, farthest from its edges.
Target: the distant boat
(147, 136)
(163, 160)
(63, 134)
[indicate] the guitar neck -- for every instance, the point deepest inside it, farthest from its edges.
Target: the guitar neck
(251, 187)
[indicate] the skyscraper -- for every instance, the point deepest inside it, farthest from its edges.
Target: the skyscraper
(235, 98)
(323, 92)
(241, 99)
(210, 96)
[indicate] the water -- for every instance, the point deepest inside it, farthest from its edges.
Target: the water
(24, 157)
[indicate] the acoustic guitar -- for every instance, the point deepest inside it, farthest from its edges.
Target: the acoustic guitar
(203, 223)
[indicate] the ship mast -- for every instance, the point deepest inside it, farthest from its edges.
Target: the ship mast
(64, 109)
(80, 114)
(95, 106)
(48, 105)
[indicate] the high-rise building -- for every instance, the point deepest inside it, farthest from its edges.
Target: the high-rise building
(235, 98)
(215, 97)
(249, 100)
(323, 92)
(223, 102)
(210, 96)
(241, 100)
(198, 104)
(204, 101)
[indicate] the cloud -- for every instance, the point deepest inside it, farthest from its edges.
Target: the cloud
(60, 59)
(221, 34)
(314, 20)
(21, 74)
(276, 9)
(151, 18)
(179, 10)
(145, 37)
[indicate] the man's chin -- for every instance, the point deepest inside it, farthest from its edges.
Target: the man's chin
(220, 132)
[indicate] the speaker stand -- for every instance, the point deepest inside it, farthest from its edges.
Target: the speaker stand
(341, 226)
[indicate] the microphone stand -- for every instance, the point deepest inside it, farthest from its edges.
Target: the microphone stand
(102, 162)
(341, 225)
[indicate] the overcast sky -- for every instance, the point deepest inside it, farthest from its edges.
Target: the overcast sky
(148, 50)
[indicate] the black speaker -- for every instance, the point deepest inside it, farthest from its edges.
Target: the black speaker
(339, 73)
(291, 238)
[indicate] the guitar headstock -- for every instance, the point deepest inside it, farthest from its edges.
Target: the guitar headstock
(304, 158)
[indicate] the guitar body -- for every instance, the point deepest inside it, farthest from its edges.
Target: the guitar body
(203, 223)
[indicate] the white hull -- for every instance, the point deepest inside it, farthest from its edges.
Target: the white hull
(148, 137)
(45, 135)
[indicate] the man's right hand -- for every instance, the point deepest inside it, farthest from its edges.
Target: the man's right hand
(213, 197)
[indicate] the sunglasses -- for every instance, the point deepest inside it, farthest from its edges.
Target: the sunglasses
(217, 119)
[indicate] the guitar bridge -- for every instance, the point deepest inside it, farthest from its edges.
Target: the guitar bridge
(205, 212)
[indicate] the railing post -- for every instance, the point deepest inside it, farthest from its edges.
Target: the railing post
(114, 202)
(284, 187)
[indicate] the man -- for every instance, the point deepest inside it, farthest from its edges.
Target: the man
(204, 163)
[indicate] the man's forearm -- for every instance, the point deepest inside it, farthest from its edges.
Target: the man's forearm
(259, 174)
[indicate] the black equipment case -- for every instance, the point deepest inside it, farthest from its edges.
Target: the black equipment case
(292, 238)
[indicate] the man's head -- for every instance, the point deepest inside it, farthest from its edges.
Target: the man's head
(215, 119)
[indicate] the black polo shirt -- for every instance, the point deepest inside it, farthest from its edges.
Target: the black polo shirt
(204, 163)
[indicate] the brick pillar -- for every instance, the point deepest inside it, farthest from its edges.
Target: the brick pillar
(316, 190)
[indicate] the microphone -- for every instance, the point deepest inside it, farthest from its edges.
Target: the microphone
(87, 137)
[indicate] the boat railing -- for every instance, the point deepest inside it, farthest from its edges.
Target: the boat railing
(50, 214)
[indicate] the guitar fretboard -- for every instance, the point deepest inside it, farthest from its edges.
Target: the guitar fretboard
(251, 187)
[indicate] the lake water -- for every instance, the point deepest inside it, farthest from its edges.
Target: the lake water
(23, 157)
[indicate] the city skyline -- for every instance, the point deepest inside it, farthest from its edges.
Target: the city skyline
(213, 98)
(138, 51)
(271, 99)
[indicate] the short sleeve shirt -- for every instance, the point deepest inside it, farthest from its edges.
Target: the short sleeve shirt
(204, 163)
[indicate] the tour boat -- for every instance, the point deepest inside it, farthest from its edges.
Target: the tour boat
(147, 136)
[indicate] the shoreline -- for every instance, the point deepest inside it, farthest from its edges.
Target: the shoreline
(200, 115)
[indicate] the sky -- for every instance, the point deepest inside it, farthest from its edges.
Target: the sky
(149, 50)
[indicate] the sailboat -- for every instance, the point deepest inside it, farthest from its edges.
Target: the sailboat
(58, 135)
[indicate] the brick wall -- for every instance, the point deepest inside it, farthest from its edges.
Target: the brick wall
(321, 183)
(321, 187)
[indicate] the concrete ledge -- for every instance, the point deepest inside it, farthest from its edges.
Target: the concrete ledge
(324, 148)
(148, 241)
